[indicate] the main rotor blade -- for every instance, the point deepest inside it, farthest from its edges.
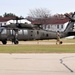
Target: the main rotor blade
(70, 18)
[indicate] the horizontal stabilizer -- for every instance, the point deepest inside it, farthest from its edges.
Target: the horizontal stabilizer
(71, 33)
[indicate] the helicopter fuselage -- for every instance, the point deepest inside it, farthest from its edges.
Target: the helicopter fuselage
(26, 34)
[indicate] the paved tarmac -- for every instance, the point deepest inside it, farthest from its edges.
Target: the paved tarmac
(37, 64)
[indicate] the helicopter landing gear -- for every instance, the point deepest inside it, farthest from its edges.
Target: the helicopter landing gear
(4, 42)
(16, 41)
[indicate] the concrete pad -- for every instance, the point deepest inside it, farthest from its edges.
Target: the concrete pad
(37, 64)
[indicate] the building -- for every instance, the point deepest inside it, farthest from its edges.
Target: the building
(8, 20)
(3, 20)
(52, 24)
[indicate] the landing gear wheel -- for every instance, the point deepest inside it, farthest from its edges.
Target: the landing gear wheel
(61, 42)
(4, 42)
(16, 42)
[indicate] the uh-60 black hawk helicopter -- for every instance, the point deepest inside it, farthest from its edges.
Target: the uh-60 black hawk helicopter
(16, 32)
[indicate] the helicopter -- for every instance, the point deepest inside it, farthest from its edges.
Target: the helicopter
(16, 32)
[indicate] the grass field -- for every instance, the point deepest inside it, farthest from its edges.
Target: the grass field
(53, 48)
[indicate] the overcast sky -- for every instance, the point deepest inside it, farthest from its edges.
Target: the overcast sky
(22, 7)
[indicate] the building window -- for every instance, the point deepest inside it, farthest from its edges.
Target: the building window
(4, 23)
(44, 26)
(57, 26)
(48, 26)
(62, 26)
(0, 24)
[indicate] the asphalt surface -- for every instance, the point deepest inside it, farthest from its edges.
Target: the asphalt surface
(37, 64)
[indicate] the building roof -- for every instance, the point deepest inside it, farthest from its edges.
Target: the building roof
(4, 19)
(40, 21)
(50, 21)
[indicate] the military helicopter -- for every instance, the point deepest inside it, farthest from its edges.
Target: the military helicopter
(16, 32)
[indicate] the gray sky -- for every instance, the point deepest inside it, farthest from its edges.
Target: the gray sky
(22, 7)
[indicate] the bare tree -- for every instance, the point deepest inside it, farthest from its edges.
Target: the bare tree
(40, 13)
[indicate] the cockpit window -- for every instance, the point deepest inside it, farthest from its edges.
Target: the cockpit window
(4, 31)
